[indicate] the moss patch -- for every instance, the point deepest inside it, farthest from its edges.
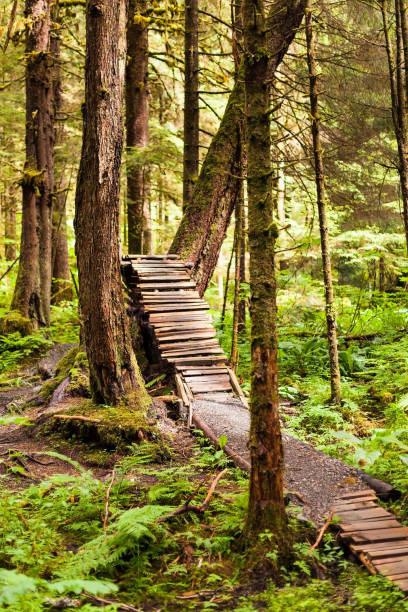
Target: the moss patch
(15, 322)
(75, 365)
(108, 427)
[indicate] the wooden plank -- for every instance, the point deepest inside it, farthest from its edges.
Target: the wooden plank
(162, 330)
(398, 567)
(179, 316)
(376, 546)
(349, 502)
(360, 515)
(376, 535)
(206, 379)
(191, 344)
(352, 494)
(179, 293)
(204, 371)
(175, 307)
(162, 278)
(202, 388)
(209, 350)
(360, 505)
(213, 396)
(180, 390)
(167, 286)
(180, 362)
(387, 553)
(193, 335)
(367, 525)
(402, 583)
(236, 386)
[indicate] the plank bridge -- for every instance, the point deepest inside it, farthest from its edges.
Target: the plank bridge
(181, 337)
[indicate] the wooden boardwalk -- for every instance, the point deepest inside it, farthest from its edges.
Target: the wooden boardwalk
(374, 535)
(168, 302)
(186, 339)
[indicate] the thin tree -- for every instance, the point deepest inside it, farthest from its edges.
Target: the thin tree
(191, 101)
(266, 508)
(398, 89)
(32, 293)
(137, 126)
(114, 373)
(61, 282)
(321, 205)
(201, 232)
(237, 281)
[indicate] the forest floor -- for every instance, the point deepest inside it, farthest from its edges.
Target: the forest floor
(67, 537)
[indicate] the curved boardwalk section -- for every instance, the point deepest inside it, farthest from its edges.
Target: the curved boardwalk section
(182, 338)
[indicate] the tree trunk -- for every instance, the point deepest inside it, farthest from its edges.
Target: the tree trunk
(32, 293)
(191, 102)
(137, 120)
(202, 229)
(114, 373)
(235, 318)
(398, 94)
(321, 205)
(10, 225)
(266, 508)
(61, 276)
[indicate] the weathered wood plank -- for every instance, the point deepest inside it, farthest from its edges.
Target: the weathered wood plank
(376, 535)
(166, 286)
(209, 350)
(360, 515)
(352, 494)
(394, 568)
(372, 547)
(192, 334)
(181, 362)
(367, 525)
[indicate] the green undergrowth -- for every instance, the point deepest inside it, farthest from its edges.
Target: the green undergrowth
(370, 429)
(53, 543)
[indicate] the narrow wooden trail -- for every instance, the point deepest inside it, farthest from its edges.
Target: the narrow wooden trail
(184, 341)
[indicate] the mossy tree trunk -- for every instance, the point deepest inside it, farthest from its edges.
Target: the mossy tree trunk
(32, 293)
(321, 205)
(266, 508)
(191, 102)
(114, 374)
(137, 126)
(202, 229)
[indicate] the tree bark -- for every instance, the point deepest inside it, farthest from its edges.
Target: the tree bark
(61, 275)
(137, 124)
(398, 94)
(266, 508)
(238, 243)
(114, 374)
(32, 293)
(191, 102)
(10, 225)
(202, 229)
(321, 205)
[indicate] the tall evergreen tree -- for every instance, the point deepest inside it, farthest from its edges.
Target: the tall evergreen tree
(137, 126)
(32, 294)
(114, 373)
(191, 102)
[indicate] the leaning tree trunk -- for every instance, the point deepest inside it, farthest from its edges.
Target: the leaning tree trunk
(61, 282)
(202, 229)
(321, 205)
(113, 370)
(266, 508)
(32, 293)
(137, 122)
(191, 102)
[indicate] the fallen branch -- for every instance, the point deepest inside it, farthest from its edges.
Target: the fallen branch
(322, 531)
(237, 459)
(76, 417)
(187, 507)
(111, 602)
(168, 399)
(108, 490)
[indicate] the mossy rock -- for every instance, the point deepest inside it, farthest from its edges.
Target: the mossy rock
(107, 427)
(15, 322)
(75, 366)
